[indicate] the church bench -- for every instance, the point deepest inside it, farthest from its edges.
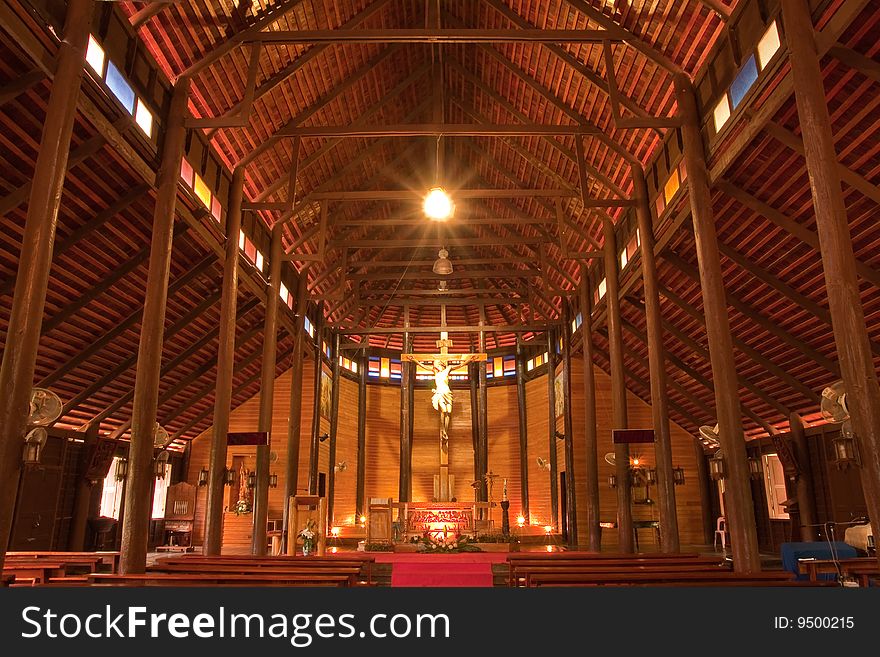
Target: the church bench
(221, 579)
(252, 564)
(518, 564)
(773, 578)
(41, 570)
(524, 575)
(106, 558)
(352, 572)
(859, 567)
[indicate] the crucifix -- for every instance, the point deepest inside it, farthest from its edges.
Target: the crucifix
(442, 365)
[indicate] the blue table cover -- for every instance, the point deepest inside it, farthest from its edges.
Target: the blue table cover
(791, 552)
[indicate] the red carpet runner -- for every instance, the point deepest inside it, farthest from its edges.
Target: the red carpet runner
(466, 569)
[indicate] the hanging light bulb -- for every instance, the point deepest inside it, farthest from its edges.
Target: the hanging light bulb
(438, 205)
(442, 265)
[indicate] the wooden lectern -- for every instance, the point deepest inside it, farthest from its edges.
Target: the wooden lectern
(380, 520)
(301, 508)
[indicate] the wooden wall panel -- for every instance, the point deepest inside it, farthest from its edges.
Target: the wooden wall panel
(345, 492)
(383, 441)
(538, 416)
(426, 446)
(504, 458)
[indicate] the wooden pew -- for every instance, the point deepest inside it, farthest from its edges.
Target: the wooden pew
(518, 563)
(251, 564)
(221, 579)
(526, 574)
(774, 578)
(40, 571)
(352, 571)
(106, 558)
(861, 568)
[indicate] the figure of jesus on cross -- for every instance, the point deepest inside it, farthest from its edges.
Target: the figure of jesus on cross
(442, 365)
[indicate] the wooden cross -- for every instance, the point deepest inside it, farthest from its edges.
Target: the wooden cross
(442, 364)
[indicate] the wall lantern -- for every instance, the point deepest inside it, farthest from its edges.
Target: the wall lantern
(612, 480)
(121, 469)
(717, 468)
(273, 480)
(845, 453)
(228, 477)
(678, 476)
(650, 476)
(34, 442)
(203, 477)
(159, 464)
(252, 480)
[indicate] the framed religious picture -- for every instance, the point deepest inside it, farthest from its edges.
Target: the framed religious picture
(326, 394)
(559, 394)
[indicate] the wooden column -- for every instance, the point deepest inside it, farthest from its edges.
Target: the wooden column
(704, 482)
(316, 407)
(835, 243)
(570, 485)
(523, 430)
(83, 497)
(138, 506)
(483, 408)
(591, 438)
(31, 281)
(739, 510)
(334, 425)
(669, 541)
(360, 495)
(619, 414)
(267, 394)
(551, 409)
(294, 422)
(474, 381)
(404, 493)
(806, 498)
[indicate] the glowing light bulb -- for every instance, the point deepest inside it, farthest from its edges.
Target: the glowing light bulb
(363, 519)
(520, 520)
(335, 531)
(437, 205)
(548, 529)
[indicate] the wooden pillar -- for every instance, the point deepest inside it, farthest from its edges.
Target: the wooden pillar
(806, 498)
(316, 406)
(483, 408)
(474, 381)
(523, 430)
(619, 414)
(591, 438)
(551, 409)
(267, 394)
(669, 541)
(225, 366)
(404, 493)
(835, 243)
(360, 495)
(334, 425)
(138, 508)
(570, 485)
(294, 422)
(32, 278)
(707, 518)
(83, 496)
(739, 510)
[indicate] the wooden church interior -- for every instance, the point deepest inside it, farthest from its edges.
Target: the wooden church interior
(247, 245)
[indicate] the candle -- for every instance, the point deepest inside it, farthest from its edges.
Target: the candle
(504, 491)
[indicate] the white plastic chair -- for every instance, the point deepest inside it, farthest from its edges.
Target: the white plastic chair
(720, 532)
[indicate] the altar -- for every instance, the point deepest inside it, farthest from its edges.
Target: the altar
(440, 517)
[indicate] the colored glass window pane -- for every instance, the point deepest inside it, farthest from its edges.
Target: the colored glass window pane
(743, 81)
(768, 45)
(95, 56)
(120, 87)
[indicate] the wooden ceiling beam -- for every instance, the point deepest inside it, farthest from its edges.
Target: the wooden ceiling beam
(447, 35)
(522, 116)
(452, 330)
(129, 322)
(426, 241)
(440, 130)
(415, 302)
(806, 235)
(856, 60)
(747, 311)
(21, 84)
(753, 354)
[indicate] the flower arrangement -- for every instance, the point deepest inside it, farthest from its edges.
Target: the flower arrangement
(242, 506)
(308, 536)
(446, 542)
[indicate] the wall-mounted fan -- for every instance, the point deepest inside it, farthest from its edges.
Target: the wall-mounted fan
(544, 464)
(709, 436)
(160, 436)
(609, 458)
(833, 403)
(46, 407)
(341, 466)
